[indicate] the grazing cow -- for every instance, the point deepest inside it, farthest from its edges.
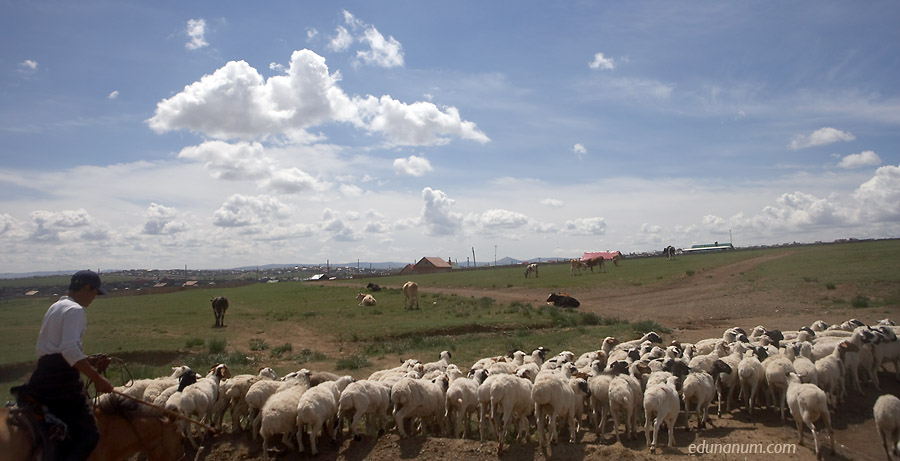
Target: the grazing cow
(532, 268)
(373, 287)
(575, 265)
(365, 300)
(590, 263)
(219, 306)
(411, 293)
(561, 300)
(669, 251)
(616, 259)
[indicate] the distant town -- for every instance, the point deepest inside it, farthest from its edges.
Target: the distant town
(146, 281)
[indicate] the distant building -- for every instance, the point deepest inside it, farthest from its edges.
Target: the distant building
(31, 293)
(190, 284)
(428, 265)
(709, 247)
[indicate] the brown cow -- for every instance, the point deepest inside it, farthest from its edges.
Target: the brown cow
(219, 306)
(596, 262)
(411, 293)
(575, 265)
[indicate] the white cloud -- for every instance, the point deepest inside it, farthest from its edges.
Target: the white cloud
(383, 52)
(412, 166)
(311, 33)
(879, 197)
(820, 137)
(438, 215)
(552, 202)
(498, 218)
(235, 102)
(7, 223)
(28, 65)
(113, 95)
(161, 220)
(650, 229)
(341, 40)
(351, 190)
(351, 20)
(196, 30)
(241, 211)
(602, 62)
(862, 159)
(277, 67)
(239, 161)
(586, 226)
(580, 151)
(291, 181)
(336, 230)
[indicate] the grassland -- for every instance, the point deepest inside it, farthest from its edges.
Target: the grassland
(321, 327)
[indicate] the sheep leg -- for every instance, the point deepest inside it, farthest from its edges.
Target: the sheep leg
(647, 420)
(314, 432)
(286, 439)
(671, 425)
(615, 415)
(812, 427)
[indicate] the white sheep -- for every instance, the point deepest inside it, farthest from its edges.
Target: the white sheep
(461, 400)
(622, 400)
(279, 414)
(260, 392)
(699, 388)
(776, 371)
(728, 382)
(149, 389)
(484, 381)
(365, 398)
(599, 386)
(830, 372)
(557, 396)
(887, 421)
(318, 406)
(508, 367)
(198, 399)
(510, 399)
(661, 405)
(799, 353)
(418, 398)
(752, 375)
(233, 392)
(440, 365)
(808, 404)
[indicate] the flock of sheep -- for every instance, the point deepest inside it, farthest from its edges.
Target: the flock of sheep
(536, 397)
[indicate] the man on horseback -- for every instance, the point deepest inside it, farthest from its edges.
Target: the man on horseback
(57, 383)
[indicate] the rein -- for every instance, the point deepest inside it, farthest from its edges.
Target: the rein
(174, 414)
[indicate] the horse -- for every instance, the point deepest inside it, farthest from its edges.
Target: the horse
(531, 268)
(590, 263)
(219, 306)
(125, 430)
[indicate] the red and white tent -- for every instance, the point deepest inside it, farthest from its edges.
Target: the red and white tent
(587, 256)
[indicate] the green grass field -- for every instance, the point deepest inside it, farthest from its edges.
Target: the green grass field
(178, 325)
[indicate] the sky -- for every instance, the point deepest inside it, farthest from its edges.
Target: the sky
(213, 134)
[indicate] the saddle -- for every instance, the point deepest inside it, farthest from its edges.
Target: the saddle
(46, 430)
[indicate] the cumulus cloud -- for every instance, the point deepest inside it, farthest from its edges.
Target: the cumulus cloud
(498, 218)
(650, 229)
(196, 30)
(879, 197)
(586, 226)
(552, 202)
(820, 137)
(579, 150)
(236, 102)
(7, 224)
(113, 95)
(602, 62)
(862, 159)
(351, 190)
(412, 166)
(51, 226)
(241, 211)
(162, 220)
(438, 215)
(341, 40)
(28, 66)
(238, 161)
(291, 181)
(382, 52)
(335, 229)
(277, 67)
(416, 124)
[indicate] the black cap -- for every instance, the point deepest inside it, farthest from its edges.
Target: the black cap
(89, 278)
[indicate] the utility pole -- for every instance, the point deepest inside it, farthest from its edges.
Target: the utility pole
(495, 255)
(474, 263)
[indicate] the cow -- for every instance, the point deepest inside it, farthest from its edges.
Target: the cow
(575, 265)
(411, 293)
(219, 306)
(669, 251)
(561, 300)
(590, 263)
(532, 268)
(373, 287)
(616, 259)
(365, 300)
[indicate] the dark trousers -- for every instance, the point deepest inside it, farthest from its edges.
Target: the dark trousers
(58, 386)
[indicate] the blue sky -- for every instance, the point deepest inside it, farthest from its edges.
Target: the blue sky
(223, 134)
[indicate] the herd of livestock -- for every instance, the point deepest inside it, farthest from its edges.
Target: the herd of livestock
(538, 397)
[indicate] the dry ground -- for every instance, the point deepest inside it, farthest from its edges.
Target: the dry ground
(694, 307)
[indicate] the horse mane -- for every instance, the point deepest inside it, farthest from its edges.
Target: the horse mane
(115, 404)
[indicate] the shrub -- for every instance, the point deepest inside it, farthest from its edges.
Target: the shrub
(353, 362)
(257, 344)
(307, 355)
(689, 272)
(280, 350)
(830, 286)
(216, 345)
(644, 326)
(193, 342)
(860, 301)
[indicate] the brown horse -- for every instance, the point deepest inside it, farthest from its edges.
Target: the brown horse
(125, 429)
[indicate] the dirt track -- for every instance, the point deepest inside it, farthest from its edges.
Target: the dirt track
(694, 307)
